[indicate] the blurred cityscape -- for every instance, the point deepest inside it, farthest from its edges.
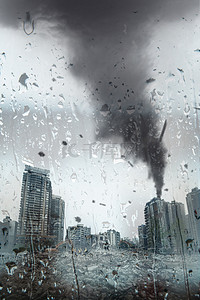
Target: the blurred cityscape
(167, 229)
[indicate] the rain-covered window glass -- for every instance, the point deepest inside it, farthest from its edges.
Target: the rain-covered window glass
(99, 130)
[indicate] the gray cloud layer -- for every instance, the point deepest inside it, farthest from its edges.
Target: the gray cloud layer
(109, 40)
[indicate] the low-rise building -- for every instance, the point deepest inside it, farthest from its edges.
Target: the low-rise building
(8, 233)
(113, 237)
(79, 236)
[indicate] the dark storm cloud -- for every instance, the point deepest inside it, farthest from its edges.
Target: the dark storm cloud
(108, 42)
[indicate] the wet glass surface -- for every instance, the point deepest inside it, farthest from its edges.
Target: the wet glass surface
(99, 131)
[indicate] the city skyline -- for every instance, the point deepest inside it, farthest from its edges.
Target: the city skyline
(100, 149)
(53, 94)
(32, 221)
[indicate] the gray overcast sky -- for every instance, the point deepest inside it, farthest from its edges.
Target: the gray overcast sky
(101, 72)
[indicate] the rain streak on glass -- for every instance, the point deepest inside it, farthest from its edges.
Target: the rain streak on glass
(99, 131)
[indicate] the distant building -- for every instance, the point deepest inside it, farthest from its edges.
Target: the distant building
(127, 243)
(8, 233)
(80, 236)
(57, 218)
(103, 241)
(142, 234)
(35, 206)
(113, 237)
(193, 204)
(94, 240)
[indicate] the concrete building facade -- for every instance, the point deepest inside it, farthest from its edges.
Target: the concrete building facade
(142, 235)
(193, 205)
(57, 218)
(8, 233)
(35, 206)
(158, 220)
(166, 228)
(80, 236)
(178, 227)
(113, 237)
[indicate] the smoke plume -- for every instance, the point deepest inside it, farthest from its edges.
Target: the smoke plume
(108, 41)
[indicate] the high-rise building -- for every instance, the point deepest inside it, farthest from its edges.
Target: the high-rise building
(35, 206)
(178, 227)
(193, 205)
(165, 226)
(157, 221)
(142, 234)
(57, 218)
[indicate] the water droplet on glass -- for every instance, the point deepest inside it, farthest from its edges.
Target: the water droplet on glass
(60, 104)
(180, 119)
(178, 135)
(130, 110)
(186, 109)
(97, 130)
(26, 111)
(69, 119)
(105, 110)
(73, 177)
(43, 137)
(58, 117)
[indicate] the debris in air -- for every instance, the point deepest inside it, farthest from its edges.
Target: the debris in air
(81, 135)
(78, 219)
(28, 24)
(163, 131)
(41, 154)
(102, 204)
(196, 215)
(105, 110)
(130, 164)
(22, 79)
(150, 80)
(188, 241)
(180, 70)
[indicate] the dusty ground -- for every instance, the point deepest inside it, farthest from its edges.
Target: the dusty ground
(99, 275)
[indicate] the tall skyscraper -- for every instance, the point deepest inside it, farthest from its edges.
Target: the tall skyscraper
(165, 226)
(193, 204)
(178, 226)
(57, 218)
(157, 221)
(35, 206)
